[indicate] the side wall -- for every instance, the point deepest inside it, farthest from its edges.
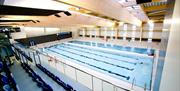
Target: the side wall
(171, 72)
(38, 31)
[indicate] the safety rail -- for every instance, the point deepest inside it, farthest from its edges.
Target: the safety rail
(7, 80)
(115, 87)
(92, 76)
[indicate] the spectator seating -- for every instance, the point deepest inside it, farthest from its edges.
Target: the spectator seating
(35, 77)
(67, 87)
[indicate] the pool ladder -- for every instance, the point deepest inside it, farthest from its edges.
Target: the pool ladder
(145, 87)
(133, 83)
(134, 80)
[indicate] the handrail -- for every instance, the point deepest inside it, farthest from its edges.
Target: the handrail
(133, 83)
(8, 73)
(145, 87)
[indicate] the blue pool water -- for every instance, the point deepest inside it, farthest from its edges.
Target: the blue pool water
(124, 67)
(116, 47)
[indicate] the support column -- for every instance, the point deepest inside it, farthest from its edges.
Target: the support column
(133, 33)
(117, 33)
(141, 34)
(112, 34)
(151, 28)
(125, 31)
(83, 30)
(91, 33)
(99, 32)
(105, 33)
(95, 33)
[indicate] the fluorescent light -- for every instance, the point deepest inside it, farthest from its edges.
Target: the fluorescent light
(136, 7)
(150, 22)
(77, 9)
(122, 1)
(121, 23)
(151, 25)
(129, 8)
(133, 27)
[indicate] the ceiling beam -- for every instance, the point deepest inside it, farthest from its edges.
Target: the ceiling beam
(109, 8)
(154, 8)
(156, 18)
(156, 14)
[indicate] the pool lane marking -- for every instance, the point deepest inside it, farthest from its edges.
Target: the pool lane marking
(98, 54)
(127, 77)
(98, 60)
(102, 51)
(101, 45)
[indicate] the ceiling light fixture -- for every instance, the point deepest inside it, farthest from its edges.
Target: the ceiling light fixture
(57, 15)
(33, 21)
(122, 1)
(38, 21)
(136, 7)
(67, 13)
(129, 8)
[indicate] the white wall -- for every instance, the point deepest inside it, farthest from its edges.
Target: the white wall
(157, 26)
(157, 30)
(18, 35)
(171, 72)
(38, 31)
(75, 32)
(51, 30)
(156, 34)
(33, 31)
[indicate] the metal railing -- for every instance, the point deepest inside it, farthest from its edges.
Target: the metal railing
(115, 87)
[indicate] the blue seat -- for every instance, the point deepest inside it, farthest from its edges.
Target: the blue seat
(7, 88)
(46, 87)
(57, 78)
(34, 76)
(1, 65)
(13, 81)
(39, 83)
(27, 70)
(63, 84)
(69, 87)
(52, 76)
(39, 78)
(4, 80)
(45, 70)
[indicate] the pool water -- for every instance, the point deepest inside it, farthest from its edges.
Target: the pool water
(121, 66)
(116, 47)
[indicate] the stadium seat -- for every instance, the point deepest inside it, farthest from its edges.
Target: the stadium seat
(55, 78)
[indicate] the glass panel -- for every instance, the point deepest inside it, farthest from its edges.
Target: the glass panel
(107, 87)
(84, 79)
(97, 84)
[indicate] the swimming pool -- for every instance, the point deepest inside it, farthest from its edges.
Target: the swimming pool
(116, 47)
(123, 67)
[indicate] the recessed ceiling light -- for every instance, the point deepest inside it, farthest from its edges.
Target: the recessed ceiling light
(122, 1)
(136, 7)
(57, 15)
(67, 13)
(129, 8)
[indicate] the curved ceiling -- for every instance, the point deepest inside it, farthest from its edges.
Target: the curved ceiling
(85, 12)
